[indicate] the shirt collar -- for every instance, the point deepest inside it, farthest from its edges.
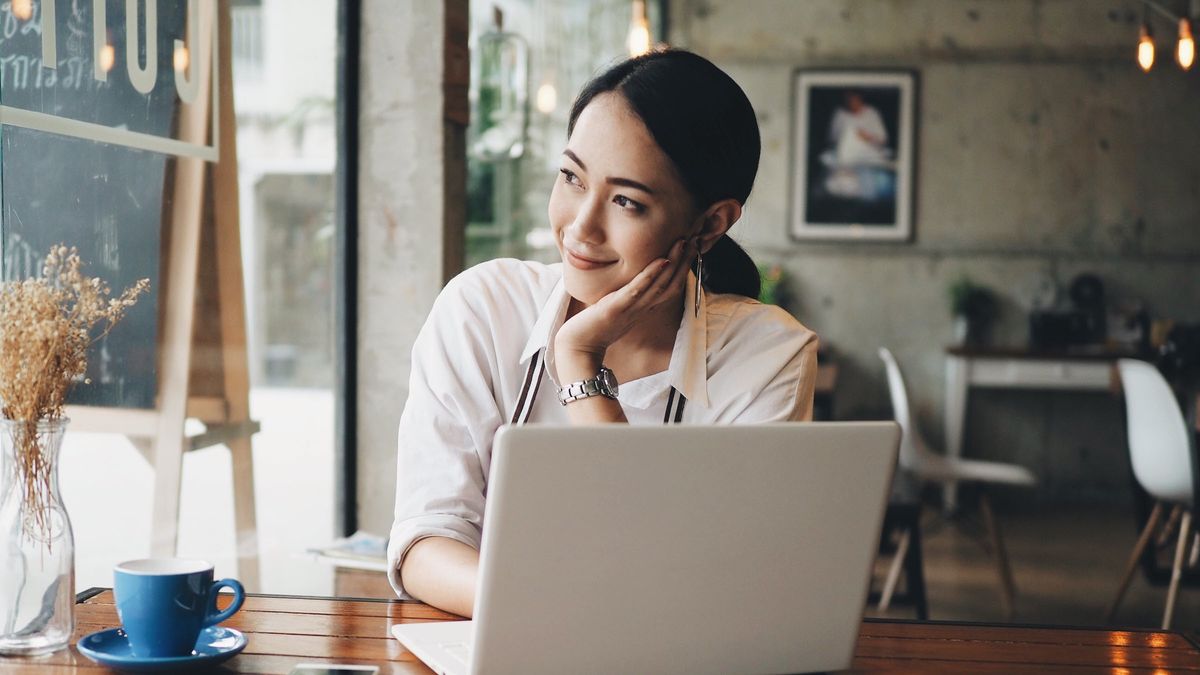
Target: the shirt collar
(688, 369)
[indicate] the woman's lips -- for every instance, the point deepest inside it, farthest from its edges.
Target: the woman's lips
(579, 262)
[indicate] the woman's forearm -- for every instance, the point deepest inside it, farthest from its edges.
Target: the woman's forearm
(442, 572)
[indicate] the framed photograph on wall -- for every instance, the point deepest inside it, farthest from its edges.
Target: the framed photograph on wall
(852, 155)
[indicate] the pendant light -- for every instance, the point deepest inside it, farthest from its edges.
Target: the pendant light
(1145, 51)
(639, 30)
(1185, 49)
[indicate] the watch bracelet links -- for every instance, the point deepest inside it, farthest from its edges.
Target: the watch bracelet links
(580, 390)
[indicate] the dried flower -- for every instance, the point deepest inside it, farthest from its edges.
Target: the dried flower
(46, 327)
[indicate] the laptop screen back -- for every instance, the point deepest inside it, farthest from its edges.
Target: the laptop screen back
(691, 549)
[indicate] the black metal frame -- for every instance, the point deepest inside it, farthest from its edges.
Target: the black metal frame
(349, 23)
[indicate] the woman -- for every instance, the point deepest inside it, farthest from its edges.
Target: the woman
(661, 155)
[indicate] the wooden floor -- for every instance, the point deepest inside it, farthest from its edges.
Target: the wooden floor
(1067, 562)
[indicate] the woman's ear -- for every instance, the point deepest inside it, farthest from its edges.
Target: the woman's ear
(716, 221)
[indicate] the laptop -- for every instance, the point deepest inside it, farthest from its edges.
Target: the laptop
(672, 549)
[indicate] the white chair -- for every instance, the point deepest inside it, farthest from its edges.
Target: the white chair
(931, 467)
(1160, 452)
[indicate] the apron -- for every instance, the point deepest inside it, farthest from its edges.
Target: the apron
(533, 381)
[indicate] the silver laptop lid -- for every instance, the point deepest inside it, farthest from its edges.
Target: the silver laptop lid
(679, 549)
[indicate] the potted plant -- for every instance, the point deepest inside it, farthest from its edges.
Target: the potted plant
(47, 324)
(772, 290)
(973, 308)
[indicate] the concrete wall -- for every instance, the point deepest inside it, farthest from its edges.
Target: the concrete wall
(405, 241)
(1042, 151)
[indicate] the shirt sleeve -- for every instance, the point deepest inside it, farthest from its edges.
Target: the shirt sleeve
(773, 375)
(445, 431)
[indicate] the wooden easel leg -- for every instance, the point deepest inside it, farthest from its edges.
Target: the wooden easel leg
(168, 470)
(245, 522)
(231, 297)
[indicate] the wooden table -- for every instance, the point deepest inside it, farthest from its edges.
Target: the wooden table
(285, 630)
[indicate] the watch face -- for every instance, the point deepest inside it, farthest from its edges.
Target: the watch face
(608, 380)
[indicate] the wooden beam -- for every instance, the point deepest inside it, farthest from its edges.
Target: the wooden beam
(179, 304)
(224, 434)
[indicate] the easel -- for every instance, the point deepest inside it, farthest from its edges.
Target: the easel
(203, 371)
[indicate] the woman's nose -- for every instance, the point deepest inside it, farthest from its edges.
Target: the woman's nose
(588, 224)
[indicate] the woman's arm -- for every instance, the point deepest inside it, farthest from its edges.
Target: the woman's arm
(583, 340)
(445, 431)
(441, 572)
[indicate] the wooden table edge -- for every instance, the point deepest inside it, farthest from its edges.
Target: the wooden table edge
(1033, 626)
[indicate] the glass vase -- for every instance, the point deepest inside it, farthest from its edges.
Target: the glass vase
(37, 546)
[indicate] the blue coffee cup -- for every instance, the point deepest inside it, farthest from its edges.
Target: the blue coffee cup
(164, 603)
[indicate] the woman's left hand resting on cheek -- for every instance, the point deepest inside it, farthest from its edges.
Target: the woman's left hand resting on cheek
(583, 340)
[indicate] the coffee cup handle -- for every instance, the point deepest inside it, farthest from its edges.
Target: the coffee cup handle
(239, 595)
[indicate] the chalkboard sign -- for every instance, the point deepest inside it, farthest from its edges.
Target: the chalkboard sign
(111, 197)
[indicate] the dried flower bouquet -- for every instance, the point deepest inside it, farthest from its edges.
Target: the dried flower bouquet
(46, 326)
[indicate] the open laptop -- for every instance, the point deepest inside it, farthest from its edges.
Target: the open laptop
(672, 549)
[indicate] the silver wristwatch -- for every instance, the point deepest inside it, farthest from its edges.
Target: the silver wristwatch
(603, 384)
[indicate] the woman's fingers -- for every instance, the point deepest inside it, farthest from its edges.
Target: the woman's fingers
(658, 280)
(643, 284)
(673, 279)
(687, 255)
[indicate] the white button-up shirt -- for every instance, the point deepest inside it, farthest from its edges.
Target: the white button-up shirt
(736, 361)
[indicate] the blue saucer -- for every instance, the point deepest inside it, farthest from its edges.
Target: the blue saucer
(111, 648)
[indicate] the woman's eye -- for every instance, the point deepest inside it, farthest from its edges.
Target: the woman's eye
(627, 203)
(569, 176)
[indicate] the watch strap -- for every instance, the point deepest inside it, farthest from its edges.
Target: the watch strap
(582, 389)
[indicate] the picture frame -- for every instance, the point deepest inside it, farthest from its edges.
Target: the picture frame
(853, 152)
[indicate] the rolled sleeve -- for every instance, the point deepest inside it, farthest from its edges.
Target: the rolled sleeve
(408, 532)
(445, 431)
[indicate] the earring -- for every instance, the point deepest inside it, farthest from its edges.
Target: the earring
(699, 280)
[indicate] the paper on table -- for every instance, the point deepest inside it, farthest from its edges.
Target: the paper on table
(361, 550)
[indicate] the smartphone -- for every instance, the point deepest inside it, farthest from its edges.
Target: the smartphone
(332, 669)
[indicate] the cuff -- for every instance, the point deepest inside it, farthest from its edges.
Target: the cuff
(407, 532)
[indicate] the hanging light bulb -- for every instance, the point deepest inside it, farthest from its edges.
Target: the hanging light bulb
(182, 59)
(1145, 53)
(22, 9)
(108, 57)
(1185, 49)
(547, 98)
(639, 30)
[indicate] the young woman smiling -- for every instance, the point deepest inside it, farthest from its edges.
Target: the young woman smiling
(651, 318)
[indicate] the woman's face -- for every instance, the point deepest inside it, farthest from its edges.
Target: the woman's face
(618, 202)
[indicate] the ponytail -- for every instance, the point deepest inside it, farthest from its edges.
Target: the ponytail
(729, 269)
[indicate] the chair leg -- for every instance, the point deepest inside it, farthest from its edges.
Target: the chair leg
(1185, 525)
(1009, 589)
(893, 575)
(1142, 542)
(1168, 529)
(914, 573)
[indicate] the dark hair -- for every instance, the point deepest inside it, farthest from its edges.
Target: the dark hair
(706, 126)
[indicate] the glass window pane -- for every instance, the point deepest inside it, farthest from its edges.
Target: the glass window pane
(114, 202)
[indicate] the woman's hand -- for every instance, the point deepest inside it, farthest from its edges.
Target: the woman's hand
(587, 335)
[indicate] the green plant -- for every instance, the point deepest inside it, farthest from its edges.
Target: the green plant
(772, 280)
(968, 299)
